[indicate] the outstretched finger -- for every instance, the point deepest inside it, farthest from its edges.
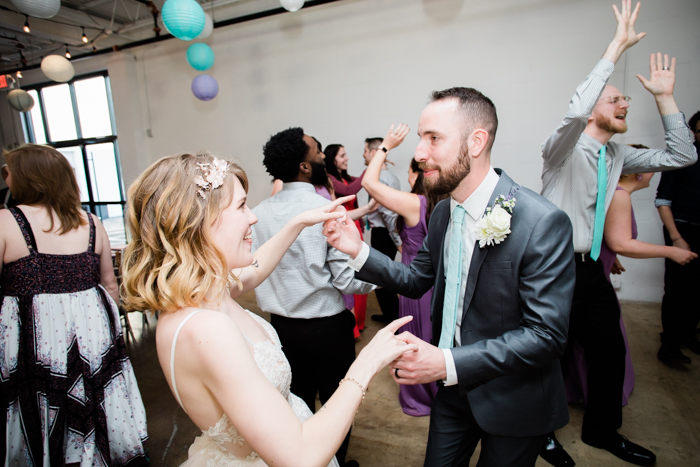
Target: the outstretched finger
(635, 13)
(673, 65)
(659, 61)
(665, 61)
(397, 323)
(617, 13)
(337, 204)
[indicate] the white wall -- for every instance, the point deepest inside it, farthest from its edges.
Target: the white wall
(347, 70)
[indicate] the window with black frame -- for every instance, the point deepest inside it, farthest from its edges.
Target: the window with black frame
(77, 119)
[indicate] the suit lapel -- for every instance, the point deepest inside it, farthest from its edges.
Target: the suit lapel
(505, 184)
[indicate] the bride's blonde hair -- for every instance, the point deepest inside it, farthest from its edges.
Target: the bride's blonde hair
(171, 261)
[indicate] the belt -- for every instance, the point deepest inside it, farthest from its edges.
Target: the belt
(583, 257)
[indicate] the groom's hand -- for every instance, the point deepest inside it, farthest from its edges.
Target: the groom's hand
(342, 234)
(425, 365)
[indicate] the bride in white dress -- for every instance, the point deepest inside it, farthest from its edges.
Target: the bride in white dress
(190, 226)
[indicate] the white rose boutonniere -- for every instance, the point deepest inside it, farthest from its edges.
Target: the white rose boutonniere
(494, 226)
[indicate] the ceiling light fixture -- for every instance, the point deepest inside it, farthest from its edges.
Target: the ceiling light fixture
(85, 39)
(19, 74)
(26, 24)
(67, 52)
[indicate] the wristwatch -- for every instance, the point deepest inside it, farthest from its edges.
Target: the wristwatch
(382, 148)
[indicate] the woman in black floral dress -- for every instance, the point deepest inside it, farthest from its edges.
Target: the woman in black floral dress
(66, 384)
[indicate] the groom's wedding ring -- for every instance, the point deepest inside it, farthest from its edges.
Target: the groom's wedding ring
(665, 68)
(396, 373)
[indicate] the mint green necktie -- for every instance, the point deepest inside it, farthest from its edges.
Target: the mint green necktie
(454, 277)
(599, 222)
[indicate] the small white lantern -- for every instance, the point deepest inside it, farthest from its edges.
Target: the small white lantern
(208, 27)
(57, 68)
(38, 8)
(292, 5)
(20, 100)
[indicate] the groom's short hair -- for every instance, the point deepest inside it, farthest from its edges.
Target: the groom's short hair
(478, 110)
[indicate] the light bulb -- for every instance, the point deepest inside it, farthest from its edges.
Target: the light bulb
(26, 24)
(85, 39)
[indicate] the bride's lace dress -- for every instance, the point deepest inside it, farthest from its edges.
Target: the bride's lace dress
(217, 444)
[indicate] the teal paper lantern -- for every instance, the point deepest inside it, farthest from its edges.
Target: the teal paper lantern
(184, 18)
(200, 56)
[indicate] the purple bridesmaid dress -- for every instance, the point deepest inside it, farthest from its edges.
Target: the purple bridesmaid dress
(416, 400)
(577, 379)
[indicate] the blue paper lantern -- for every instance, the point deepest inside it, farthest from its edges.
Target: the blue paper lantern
(200, 56)
(184, 18)
(205, 87)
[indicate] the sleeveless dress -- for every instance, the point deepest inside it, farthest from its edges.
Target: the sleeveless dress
(213, 448)
(66, 383)
(416, 400)
(576, 381)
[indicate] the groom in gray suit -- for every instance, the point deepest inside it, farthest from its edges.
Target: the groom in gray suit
(500, 259)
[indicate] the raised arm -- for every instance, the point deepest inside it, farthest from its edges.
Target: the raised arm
(267, 257)
(561, 142)
(618, 234)
(341, 189)
(407, 205)
(225, 366)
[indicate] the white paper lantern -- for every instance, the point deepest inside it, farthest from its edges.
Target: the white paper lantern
(20, 100)
(292, 5)
(38, 8)
(208, 27)
(57, 68)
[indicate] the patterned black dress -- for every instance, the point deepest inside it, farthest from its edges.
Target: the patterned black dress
(66, 384)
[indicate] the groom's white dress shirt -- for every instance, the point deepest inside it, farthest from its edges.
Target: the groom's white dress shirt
(474, 205)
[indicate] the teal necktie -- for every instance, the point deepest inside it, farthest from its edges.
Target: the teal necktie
(599, 223)
(454, 276)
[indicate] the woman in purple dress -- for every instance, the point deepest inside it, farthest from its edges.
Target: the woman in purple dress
(414, 210)
(620, 238)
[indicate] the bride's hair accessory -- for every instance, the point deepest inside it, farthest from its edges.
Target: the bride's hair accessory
(212, 177)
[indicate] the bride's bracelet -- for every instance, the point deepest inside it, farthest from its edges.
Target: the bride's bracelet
(362, 388)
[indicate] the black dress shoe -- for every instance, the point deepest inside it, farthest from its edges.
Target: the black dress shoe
(380, 319)
(351, 464)
(692, 344)
(669, 354)
(554, 453)
(623, 448)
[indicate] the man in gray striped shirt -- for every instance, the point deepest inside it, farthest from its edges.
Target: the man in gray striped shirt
(570, 180)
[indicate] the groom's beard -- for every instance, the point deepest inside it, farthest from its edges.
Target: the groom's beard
(448, 179)
(318, 173)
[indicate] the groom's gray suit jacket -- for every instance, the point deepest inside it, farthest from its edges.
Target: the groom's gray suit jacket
(516, 312)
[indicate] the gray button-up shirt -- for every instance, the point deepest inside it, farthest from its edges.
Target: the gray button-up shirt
(309, 279)
(570, 170)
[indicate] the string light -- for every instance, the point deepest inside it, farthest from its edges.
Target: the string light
(94, 49)
(85, 39)
(67, 52)
(19, 74)
(26, 24)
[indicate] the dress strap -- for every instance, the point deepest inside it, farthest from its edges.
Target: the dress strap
(26, 229)
(172, 357)
(91, 243)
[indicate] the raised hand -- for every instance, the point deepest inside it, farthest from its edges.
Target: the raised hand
(324, 213)
(625, 34)
(662, 75)
(342, 234)
(395, 136)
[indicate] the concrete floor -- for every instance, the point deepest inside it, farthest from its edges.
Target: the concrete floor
(663, 413)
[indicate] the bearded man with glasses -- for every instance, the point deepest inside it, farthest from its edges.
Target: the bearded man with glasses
(581, 168)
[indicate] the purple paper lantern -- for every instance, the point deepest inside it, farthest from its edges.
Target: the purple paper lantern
(205, 87)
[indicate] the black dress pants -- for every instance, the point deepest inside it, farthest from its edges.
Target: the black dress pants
(680, 308)
(320, 351)
(388, 300)
(595, 325)
(454, 434)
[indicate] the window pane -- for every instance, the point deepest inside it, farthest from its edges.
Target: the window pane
(112, 217)
(37, 121)
(59, 113)
(103, 172)
(93, 110)
(75, 159)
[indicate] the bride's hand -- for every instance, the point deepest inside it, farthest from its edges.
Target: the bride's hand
(324, 213)
(385, 347)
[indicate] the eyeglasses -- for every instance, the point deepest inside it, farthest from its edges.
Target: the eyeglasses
(615, 99)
